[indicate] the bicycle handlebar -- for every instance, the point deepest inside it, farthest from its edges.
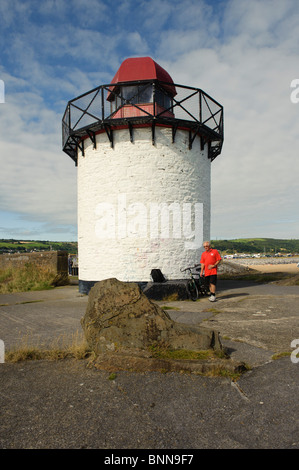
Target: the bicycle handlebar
(189, 268)
(186, 269)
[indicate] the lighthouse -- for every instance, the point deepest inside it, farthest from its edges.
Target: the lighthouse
(143, 146)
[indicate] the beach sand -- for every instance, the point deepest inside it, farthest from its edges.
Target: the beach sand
(277, 268)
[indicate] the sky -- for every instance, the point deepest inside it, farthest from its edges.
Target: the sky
(244, 54)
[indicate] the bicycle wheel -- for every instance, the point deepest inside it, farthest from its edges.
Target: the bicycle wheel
(192, 290)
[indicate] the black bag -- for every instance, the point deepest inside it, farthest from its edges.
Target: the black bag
(157, 275)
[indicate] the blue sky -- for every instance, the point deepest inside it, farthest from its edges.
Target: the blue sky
(244, 54)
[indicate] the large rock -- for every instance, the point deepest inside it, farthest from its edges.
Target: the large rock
(119, 315)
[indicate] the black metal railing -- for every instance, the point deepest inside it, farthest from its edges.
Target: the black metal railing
(103, 108)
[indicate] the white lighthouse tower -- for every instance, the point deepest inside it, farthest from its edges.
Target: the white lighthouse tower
(143, 147)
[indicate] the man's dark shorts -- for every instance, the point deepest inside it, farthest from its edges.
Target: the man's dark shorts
(211, 279)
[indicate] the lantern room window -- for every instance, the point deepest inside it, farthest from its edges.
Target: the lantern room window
(163, 99)
(140, 94)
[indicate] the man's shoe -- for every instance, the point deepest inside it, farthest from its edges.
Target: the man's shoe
(212, 298)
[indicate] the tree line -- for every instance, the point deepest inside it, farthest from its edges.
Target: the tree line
(269, 246)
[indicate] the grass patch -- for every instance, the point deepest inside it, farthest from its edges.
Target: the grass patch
(213, 368)
(213, 310)
(171, 297)
(166, 307)
(28, 278)
(63, 347)
(162, 352)
(280, 355)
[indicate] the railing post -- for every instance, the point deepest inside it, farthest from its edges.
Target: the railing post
(69, 117)
(103, 107)
(200, 107)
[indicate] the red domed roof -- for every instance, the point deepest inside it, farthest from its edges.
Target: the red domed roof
(143, 68)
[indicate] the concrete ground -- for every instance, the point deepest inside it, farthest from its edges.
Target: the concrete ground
(64, 404)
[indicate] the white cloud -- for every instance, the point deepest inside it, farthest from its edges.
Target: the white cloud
(136, 43)
(37, 179)
(244, 54)
(255, 180)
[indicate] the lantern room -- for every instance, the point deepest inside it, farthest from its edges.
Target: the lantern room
(131, 96)
(142, 93)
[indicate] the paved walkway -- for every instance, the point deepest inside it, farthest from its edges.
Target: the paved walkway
(41, 317)
(256, 321)
(258, 315)
(67, 405)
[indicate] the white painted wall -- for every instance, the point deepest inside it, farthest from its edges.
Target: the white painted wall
(120, 187)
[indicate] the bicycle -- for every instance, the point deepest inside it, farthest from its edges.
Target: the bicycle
(195, 286)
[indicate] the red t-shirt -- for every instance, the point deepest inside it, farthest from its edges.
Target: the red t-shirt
(210, 257)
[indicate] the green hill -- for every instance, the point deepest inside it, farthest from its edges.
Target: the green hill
(268, 246)
(25, 246)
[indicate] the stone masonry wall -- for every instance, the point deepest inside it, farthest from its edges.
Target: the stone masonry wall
(56, 261)
(117, 188)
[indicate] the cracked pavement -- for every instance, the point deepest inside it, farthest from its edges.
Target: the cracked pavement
(65, 404)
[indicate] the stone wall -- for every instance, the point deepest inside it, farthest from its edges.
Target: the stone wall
(55, 261)
(264, 261)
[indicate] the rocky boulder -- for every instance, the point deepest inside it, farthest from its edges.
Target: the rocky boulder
(119, 315)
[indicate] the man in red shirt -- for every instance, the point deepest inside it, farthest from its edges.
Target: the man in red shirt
(209, 262)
